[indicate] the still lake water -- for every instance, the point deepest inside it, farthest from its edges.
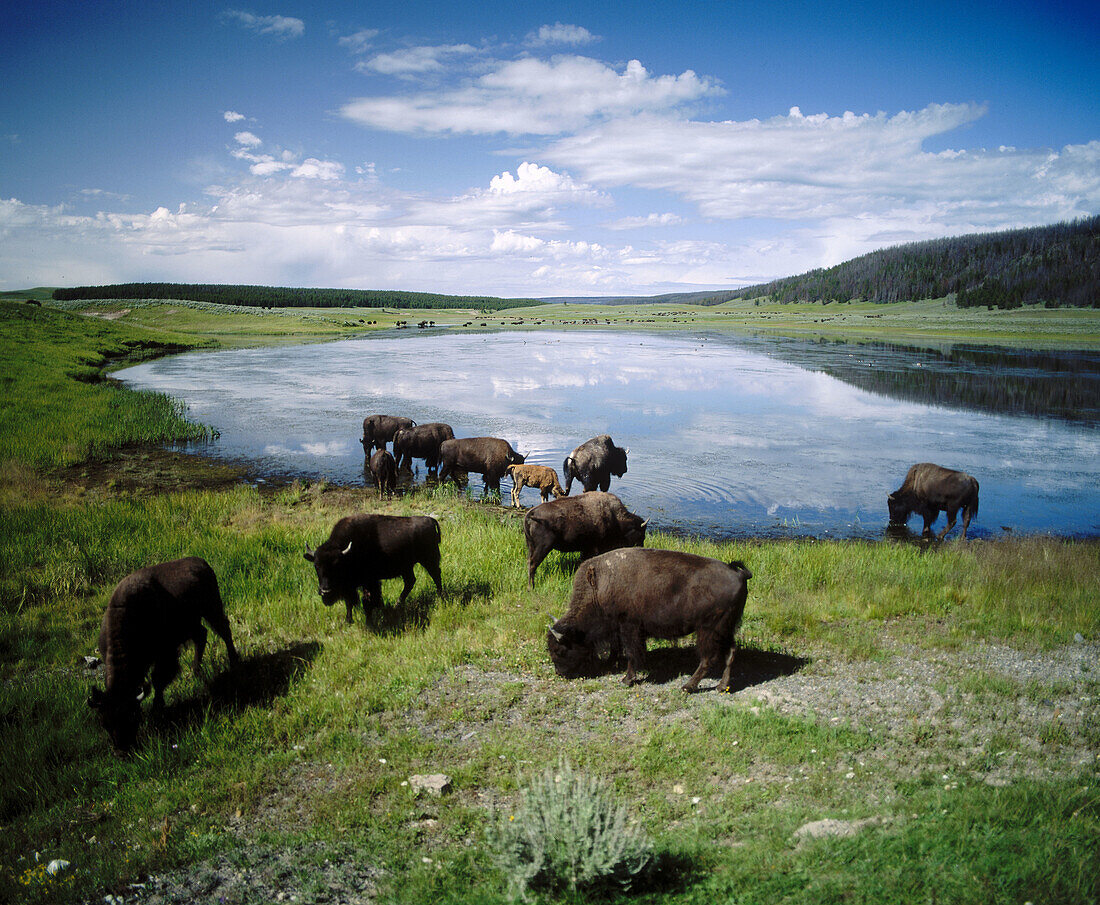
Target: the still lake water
(729, 436)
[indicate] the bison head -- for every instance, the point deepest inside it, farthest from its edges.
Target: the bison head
(899, 508)
(579, 654)
(333, 567)
(616, 460)
(634, 530)
(120, 716)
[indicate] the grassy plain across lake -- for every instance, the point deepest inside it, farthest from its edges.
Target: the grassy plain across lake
(909, 724)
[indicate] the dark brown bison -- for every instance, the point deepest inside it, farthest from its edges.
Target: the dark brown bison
(378, 430)
(927, 490)
(421, 442)
(487, 456)
(589, 524)
(626, 596)
(593, 463)
(152, 613)
(383, 469)
(364, 549)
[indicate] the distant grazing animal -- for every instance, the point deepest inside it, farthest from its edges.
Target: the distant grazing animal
(364, 549)
(383, 469)
(589, 524)
(541, 477)
(487, 456)
(626, 596)
(378, 430)
(421, 442)
(593, 463)
(152, 613)
(927, 490)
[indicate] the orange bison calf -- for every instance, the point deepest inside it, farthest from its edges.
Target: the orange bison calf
(541, 477)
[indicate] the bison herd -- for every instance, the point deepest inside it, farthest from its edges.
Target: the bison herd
(622, 595)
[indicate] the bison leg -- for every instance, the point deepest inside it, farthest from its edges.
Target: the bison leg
(952, 514)
(517, 486)
(199, 637)
(967, 514)
(633, 640)
(545, 494)
(724, 684)
(165, 669)
(220, 624)
(410, 580)
(431, 566)
(707, 645)
(535, 555)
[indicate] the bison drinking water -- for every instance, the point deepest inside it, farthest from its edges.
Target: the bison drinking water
(487, 456)
(590, 524)
(593, 463)
(152, 613)
(624, 597)
(378, 430)
(927, 490)
(364, 549)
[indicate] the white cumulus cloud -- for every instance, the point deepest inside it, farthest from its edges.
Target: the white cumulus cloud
(281, 28)
(232, 116)
(561, 34)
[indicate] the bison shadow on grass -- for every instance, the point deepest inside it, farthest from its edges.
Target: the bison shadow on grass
(256, 681)
(752, 667)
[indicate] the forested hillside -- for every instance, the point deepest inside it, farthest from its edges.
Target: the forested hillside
(277, 297)
(1053, 265)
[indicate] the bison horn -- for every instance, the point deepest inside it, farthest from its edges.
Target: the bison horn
(558, 636)
(346, 549)
(646, 522)
(308, 554)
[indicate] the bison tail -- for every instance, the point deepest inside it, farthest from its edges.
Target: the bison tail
(741, 569)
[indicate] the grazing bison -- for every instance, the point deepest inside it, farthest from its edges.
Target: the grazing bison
(929, 488)
(421, 442)
(589, 524)
(593, 463)
(152, 613)
(378, 430)
(541, 477)
(626, 596)
(383, 469)
(488, 456)
(363, 549)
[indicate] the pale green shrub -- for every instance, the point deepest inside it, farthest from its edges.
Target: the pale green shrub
(567, 833)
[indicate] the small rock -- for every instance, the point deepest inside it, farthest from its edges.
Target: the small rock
(433, 784)
(818, 829)
(57, 866)
(1079, 638)
(93, 662)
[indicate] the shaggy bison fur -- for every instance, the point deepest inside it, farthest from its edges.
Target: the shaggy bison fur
(593, 463)
(927, 490)
(624, 597)
(152, 613)
(487, 456)
(589, 524)
(364, 549)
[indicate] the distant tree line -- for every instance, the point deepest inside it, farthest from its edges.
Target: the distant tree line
(277, 297)
(1053, 265)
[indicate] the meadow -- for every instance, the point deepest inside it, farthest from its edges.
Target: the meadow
(940, 705)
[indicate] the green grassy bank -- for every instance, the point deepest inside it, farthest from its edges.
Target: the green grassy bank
(921, 696)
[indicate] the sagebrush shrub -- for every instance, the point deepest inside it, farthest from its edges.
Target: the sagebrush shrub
(567, 833)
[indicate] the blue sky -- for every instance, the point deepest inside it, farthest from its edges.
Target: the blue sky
(529, 150)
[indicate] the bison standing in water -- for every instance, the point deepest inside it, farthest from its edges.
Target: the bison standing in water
(421, 442)
(624, 597)
(378, 430)
(590, 524)
(383, 469)
(593, 463)
(152, 613)
(364, 549)
(487, 456)
(927, 490)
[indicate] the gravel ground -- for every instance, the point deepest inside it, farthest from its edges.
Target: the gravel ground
(928, 711)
